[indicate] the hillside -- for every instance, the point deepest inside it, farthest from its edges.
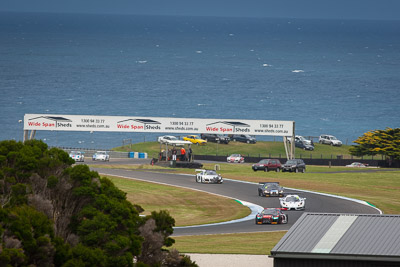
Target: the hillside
(264, 149)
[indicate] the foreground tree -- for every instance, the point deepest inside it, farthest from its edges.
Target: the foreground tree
(378, 142)
(56, 214)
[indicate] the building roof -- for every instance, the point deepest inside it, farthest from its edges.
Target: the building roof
(342, 236)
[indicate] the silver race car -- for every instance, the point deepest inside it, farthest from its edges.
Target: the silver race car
(208, 176)
(293, 202)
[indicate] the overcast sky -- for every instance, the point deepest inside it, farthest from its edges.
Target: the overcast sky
(341, 9)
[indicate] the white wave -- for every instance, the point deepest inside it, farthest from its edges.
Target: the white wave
(266, 65)
(141, 61)
(297, 71)
(201, 104)
(199, 51)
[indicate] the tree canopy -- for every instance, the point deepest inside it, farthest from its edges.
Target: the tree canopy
(54, 213)
(384, 142)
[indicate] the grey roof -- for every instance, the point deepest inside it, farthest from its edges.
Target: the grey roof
(349, 235)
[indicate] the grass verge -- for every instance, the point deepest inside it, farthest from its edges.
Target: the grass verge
(187, 207)
(244, 243)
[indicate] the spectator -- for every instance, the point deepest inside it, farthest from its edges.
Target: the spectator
(183, 154)
(174, 153)
(190, 152)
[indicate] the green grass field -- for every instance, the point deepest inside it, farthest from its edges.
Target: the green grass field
(187, 207)
(260, 149)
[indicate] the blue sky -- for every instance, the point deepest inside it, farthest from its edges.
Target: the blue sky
(338, 9)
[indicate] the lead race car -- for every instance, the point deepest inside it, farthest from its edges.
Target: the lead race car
(208, 176)
(269, 189)
(293, 202)
(101, 155)
(271, 216)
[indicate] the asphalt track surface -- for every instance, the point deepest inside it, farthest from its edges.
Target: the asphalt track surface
(241, 191)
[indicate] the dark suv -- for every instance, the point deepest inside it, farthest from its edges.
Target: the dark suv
(216, 138)
(294, 165)
(303, 145)
(267, 165)
(245, 138)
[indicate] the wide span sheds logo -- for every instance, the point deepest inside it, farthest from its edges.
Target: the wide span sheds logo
(50, 122)
(228, 127)
(139, 124)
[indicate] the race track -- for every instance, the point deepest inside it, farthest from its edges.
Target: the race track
(244, 192)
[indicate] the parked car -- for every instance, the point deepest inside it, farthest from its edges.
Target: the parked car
(294, 165)
(216, 138)
(245, 138)
(166, 138)
(329, 140)
(293, 202)
(172, 140)
(101, 155)
(77, 156)
(271, 216)
(300, 138)
(267, 165)
(270, 189)
(236, 158)
(357, 165)
(303, 145)
(208, 176)
(195, 139)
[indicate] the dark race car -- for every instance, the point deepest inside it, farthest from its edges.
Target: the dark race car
(269, 189)
(271, 216)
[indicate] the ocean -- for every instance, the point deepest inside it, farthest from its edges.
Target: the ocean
(338, 77)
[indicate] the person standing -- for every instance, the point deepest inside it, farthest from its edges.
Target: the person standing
(190, 152)
(174, 153)
(183, 153)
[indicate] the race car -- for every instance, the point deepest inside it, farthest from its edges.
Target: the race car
(293, 202)
(271, 216)
(357, 165)
(77, 156)
(269, 189)
(208, 176)
(235, 158)
(101, 155)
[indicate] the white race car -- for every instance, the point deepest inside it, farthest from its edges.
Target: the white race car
(357, 165)
(293, 202)
(101, 155)
(208, 176)
(235, 158)
(77, 156)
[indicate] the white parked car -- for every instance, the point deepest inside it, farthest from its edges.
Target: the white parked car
(301, 139)
(166, 138)
(293, 202)
(172, 140)
(235, 158)
(77, 156)
(208, 176)
(101, 155)
(329, 140)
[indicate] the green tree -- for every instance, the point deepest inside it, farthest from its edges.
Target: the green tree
(55, 214)
(378, 142)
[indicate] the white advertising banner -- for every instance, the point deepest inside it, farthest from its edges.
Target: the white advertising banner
(155, 125)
